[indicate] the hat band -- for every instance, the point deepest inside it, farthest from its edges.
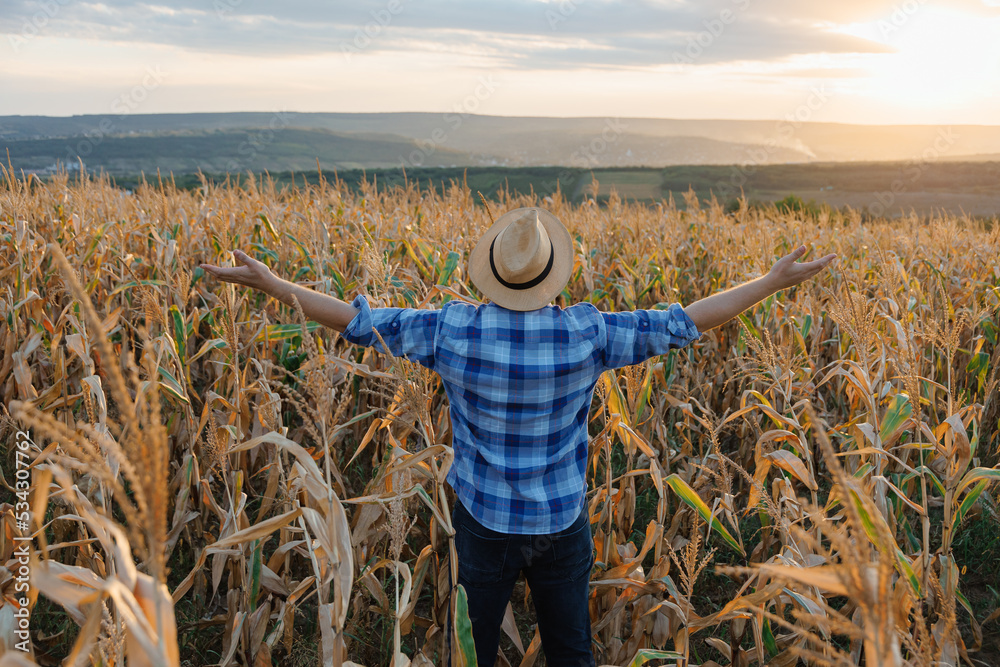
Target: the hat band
(531, 283)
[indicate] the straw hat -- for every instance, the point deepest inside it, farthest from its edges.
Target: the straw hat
(524, 260)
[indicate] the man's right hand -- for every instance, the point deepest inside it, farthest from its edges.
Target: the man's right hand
(251, 272)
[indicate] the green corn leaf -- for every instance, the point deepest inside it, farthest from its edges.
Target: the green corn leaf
(970, 500)
(964, 601)
(898, 412)
(863, 471)
(977, 474)
(255, 574)
(860, 473)
(267, 252)
(871, 522)
(769, 642)
(268, 226)
(207, 347)
(95, 241)
(463, 627)
(306, 255)
(285, 331)
(450, 264)
(180, 332)
(169, 384)
(807, 322)
(644, 394)
(748, 324)
(692, 499)
(930, 475)
(412, 251)
(905, 568)
(911, 537)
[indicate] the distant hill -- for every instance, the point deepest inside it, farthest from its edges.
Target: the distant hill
(186, 142)
(221, 151)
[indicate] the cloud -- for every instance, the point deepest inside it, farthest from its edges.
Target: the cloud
(520, 34)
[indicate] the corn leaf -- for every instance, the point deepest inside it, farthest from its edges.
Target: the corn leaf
(692, 499)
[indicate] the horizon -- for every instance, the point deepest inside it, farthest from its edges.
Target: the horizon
(498, 115)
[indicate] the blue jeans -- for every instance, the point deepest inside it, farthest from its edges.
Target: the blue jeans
(557, 568)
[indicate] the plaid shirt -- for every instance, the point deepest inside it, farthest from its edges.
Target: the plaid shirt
(520, 385)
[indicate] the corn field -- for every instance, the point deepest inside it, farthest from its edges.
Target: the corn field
(215, 480)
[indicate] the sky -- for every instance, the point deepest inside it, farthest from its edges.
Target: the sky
(850, 61)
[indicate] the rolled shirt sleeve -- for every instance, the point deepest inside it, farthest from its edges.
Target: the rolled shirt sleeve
(407, 332)
(634, 336)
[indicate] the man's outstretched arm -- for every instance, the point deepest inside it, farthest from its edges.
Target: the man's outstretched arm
(327, 310)
(715, 310)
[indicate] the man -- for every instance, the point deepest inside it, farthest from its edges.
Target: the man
(519, 374)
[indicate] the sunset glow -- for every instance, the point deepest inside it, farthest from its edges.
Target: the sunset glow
(944, 60)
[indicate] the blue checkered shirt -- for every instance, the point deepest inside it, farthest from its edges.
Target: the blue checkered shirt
(520, 385)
